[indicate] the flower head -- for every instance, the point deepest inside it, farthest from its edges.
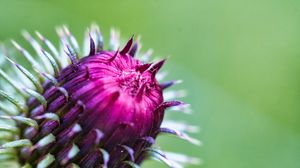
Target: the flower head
(102, 110)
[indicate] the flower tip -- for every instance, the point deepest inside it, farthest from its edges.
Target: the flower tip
(127, 46)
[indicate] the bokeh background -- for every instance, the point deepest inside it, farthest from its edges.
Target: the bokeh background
(240, 61)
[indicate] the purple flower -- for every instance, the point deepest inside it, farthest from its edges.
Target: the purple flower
(102, 110)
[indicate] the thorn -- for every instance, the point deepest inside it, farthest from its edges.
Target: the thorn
(14, 101)
(72, 39)
(95, 29)
(17, 143)
(72, 56)
(81, 104)
(92, 46)
(99, 136)
(45, 141)
(129, 151)
(30, 76)
(39, 97)
(158, 155)
(27, 55)
(51, 47)
(64, 92)
(48, 116)
(146, 56)
(179, 134)
(150, 140)
(105, 157)
(140, 92)
(173, 103)
(114, 56)
(9, 128)
(71, 154)
(46, 161)
(114, 41)
(142, 68)
(127, 46)
(53, 62)
(12, 83)
(169, 84)
(156, 67)
(23, 120)
(52, 79)
(87, 70)
(133, 50)
(131, 164)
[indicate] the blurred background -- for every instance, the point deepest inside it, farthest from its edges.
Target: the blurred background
(239, 59)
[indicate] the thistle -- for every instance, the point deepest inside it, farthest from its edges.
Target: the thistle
(102, 110)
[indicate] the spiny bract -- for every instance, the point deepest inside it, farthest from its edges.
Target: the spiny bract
(102, 110)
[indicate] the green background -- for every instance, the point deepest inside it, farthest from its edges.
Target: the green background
(239, 60)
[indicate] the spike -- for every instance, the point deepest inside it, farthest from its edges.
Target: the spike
(12, 83)
(37, 47)
(26, 54)
(7, 151)
(37, 96)
(140, 92)
(129, 151)
(47, 161)
(180, 126)
(24, 120)
(127, 46)
(159, 155)
(146, 56)
(99, 39)
(71, 154)
(51, 47)
(142, 68)
(72, 56)
(72, 165)
(150, 140)
(114, 56)
(31, 77)
(156, 67)
(173, 103)
(45, 141)
(133, 50)
(169, 95)
(169, 84)
(71, 53)
(183, 159)
(13, 101)
(9, 128)
(180, 135)
(161, 75)
(105, 157)
(114, 40)
(131, 164)
(7, 157)
(27, 165)
(99, 136)
(4, 109)
(64, 92)
(48, 116)
(6, 137)
(52, 79)
(17, 143)
(92, 46)
(72, 39)
(185, 108)
(52, 61)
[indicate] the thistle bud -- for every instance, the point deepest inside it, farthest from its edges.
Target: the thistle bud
(102, 110)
